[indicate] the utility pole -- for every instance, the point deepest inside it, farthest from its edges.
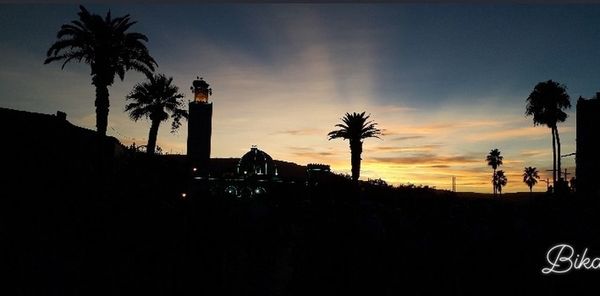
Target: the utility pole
(548, 184)
(547, 181)
(453, 183)
(566, 155)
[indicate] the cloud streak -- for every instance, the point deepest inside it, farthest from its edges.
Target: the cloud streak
(428, 159)
(300, 132)
(404, 138)
(405, 149)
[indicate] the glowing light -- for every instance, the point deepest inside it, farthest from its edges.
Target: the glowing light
(259, 190)
(231, 190)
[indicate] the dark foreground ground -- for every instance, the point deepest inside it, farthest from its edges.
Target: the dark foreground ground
(64, 232)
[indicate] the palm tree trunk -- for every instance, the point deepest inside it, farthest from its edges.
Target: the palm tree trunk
(494, 182)
(553, 160)
(355, 152)
(558, 161)
(102, 105)
(151, 147)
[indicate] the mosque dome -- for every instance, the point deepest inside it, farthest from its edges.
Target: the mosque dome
(256, 162)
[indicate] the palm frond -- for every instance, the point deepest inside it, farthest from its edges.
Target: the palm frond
(547, 102)
(157, 98)
(355, 126)
(104, 43)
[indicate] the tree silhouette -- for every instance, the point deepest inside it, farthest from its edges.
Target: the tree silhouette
(355, 128)
(530, 177)
(546, 103)
(494, 159)
(500, 181)
(155, 99)
(105, 45)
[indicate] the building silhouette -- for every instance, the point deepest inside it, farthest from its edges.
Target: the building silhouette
(200, 126)
(587, 160)
(315, 173)
(48, 148)
(254, 174)
(256, 163)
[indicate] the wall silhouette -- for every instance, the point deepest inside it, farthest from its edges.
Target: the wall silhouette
(587, 160)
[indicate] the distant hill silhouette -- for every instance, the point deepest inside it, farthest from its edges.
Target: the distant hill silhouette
(50, 144)
(44, 140)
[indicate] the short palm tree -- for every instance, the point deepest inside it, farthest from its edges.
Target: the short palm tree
(546, 104)
(500, 181)
(530, 177)
(355, 128)
(105, 45)
(494, 159)
(156, 99)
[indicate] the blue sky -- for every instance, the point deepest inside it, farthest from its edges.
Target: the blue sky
(446, 82)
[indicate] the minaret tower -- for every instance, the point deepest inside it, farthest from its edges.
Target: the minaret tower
(200, 127)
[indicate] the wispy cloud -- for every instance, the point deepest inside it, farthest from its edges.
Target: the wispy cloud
(311, 153)
(535, 153)
(416, 148)
(300, 132)
(511, 133)
(404, 138)
(395, 109)
(429, 159)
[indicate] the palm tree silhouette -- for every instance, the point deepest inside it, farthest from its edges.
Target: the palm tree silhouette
(500, 181)
(355, 128)
(530, 177)
(155, 99)
(546, 103)
(105, 45)
(494, 159)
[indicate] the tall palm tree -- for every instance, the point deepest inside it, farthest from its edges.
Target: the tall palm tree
(355, 128)
(105, 45)
(156, 99)
(494, 159)
(500, 181)
(530, 177)
(546, 103)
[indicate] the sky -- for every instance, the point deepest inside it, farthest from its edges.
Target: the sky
(445, 82)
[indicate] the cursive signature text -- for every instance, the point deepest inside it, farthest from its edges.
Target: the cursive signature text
(562, 259)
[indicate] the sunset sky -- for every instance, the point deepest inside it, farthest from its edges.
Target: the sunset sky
(446, 83)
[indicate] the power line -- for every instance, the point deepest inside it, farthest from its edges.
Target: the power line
(120, 134)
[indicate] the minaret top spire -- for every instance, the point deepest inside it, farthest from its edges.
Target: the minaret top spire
(201, 90)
